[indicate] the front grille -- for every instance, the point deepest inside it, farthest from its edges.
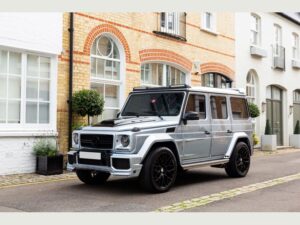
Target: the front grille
(102, 141)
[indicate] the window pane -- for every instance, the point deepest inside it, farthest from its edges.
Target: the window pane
(3, 61)
(14, 87)
(14, 63)
(93, 67)
(108, 69)
(239, 108)
(111, 96)
(44, 113)
(196, 103)
(98, 87)
(218, 107)
(44, 90)
(32, 89)
(2, 86)
(44, 67)
(2, 111)
(208, 20)
(104, 46)
(31, 112)
(32, 66)
(116, 70)
(13, 113)
(100, 67)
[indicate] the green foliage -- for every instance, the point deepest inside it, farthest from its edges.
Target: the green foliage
(297, 128)
(77, 126)
(254, 110)
(255, 139)
(268, 128)
(45, 148)
(87, 103)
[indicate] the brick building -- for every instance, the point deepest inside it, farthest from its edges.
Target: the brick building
(114, 52)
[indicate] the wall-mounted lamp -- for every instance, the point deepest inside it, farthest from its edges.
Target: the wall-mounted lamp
(263, 106)
(196, 68)
(291, 109)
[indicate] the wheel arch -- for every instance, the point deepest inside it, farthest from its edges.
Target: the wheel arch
(238, 137)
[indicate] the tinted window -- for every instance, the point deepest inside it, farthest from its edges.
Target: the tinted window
(149, 104)
(196, 103)
(239, 108)
(218, 107)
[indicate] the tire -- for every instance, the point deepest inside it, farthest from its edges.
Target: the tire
(239, 162)
(92, 177)
(159, 170)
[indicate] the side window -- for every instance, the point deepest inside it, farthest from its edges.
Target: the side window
(218, 107)
(196, 103)
(239, 108)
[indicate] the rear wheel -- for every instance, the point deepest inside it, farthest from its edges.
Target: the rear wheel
(239, 163)
(92, 177)
(159, 170)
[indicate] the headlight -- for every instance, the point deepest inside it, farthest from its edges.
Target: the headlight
(125, 140)
(76, 138)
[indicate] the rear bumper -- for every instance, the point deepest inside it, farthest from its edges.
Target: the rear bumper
(133, 170)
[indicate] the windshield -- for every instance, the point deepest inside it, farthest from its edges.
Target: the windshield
(149, 104)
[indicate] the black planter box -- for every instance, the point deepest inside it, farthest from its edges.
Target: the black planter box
(49, 165)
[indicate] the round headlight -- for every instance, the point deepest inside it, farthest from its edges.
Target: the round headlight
(75, 138)
(125, 140)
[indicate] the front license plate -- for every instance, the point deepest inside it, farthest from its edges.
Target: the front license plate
(90, 155)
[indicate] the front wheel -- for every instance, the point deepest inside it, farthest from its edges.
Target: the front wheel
(159, 170)
(92, 177)
(239, 163)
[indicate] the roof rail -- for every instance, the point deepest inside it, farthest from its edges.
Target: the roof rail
(141, 88)
(240, 90)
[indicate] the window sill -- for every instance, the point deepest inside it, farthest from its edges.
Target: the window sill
(296, 63)
(5, 133)
(258, 51)
(213, 32)
(175, 36)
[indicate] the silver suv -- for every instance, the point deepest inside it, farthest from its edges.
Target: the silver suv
(163, 131)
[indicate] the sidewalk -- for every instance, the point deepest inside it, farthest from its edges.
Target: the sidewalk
(32, 178)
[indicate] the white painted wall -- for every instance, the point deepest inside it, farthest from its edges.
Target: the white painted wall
(288, 79)
(29, 32)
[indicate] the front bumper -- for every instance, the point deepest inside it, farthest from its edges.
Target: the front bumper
(133, 170)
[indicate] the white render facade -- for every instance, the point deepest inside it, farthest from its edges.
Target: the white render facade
(267, 66)
(29, 46)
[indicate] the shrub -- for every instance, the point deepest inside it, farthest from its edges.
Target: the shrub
(254, 110)
(45, 148)
(255, 139)
(87, 103)
(297, 128)
(268, 128)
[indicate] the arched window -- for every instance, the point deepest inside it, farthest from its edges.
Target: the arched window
(216, 80)
(159, 74)
(105, 74)
(251, 87)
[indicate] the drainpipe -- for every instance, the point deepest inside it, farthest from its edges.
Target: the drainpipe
(71, 39)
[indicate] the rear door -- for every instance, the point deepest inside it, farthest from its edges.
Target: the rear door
(196, 133)
(221, 125)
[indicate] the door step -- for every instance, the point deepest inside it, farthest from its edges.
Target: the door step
(283, 147)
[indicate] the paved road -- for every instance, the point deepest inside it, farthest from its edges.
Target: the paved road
(125, 195)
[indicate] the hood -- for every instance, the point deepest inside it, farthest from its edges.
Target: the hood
(130, 123)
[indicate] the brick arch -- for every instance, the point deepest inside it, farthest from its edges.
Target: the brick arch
(212, 67)
(106, 28)
(166, 56)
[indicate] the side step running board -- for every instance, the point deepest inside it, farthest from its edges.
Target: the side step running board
(207, 163)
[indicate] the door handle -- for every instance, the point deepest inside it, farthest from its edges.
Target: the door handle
(207, 132)
(229, 131)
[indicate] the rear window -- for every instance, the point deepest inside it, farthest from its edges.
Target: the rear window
(239, 108)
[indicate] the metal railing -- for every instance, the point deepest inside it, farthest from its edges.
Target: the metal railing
(172, 24)
(278, 53)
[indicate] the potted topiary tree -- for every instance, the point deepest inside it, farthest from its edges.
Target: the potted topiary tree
(295, 138)
(48, 159)
(254, 112)
(269, 140)
(87, 103)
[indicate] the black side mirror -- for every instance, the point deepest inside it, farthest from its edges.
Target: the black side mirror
(118, 114)
(190, 116)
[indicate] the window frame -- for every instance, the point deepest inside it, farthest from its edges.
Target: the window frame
(257, 31)
(213, 22)
(295, 46)
(277, 39)
(37, 128)
(205, 104)
(175, 21)
(214, 79)
(252, 86)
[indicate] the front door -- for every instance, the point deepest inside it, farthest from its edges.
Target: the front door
(221, 126)
(296, 108)
(274, 112)
(196, 133)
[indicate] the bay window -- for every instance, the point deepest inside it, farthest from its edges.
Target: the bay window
(25, 81)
